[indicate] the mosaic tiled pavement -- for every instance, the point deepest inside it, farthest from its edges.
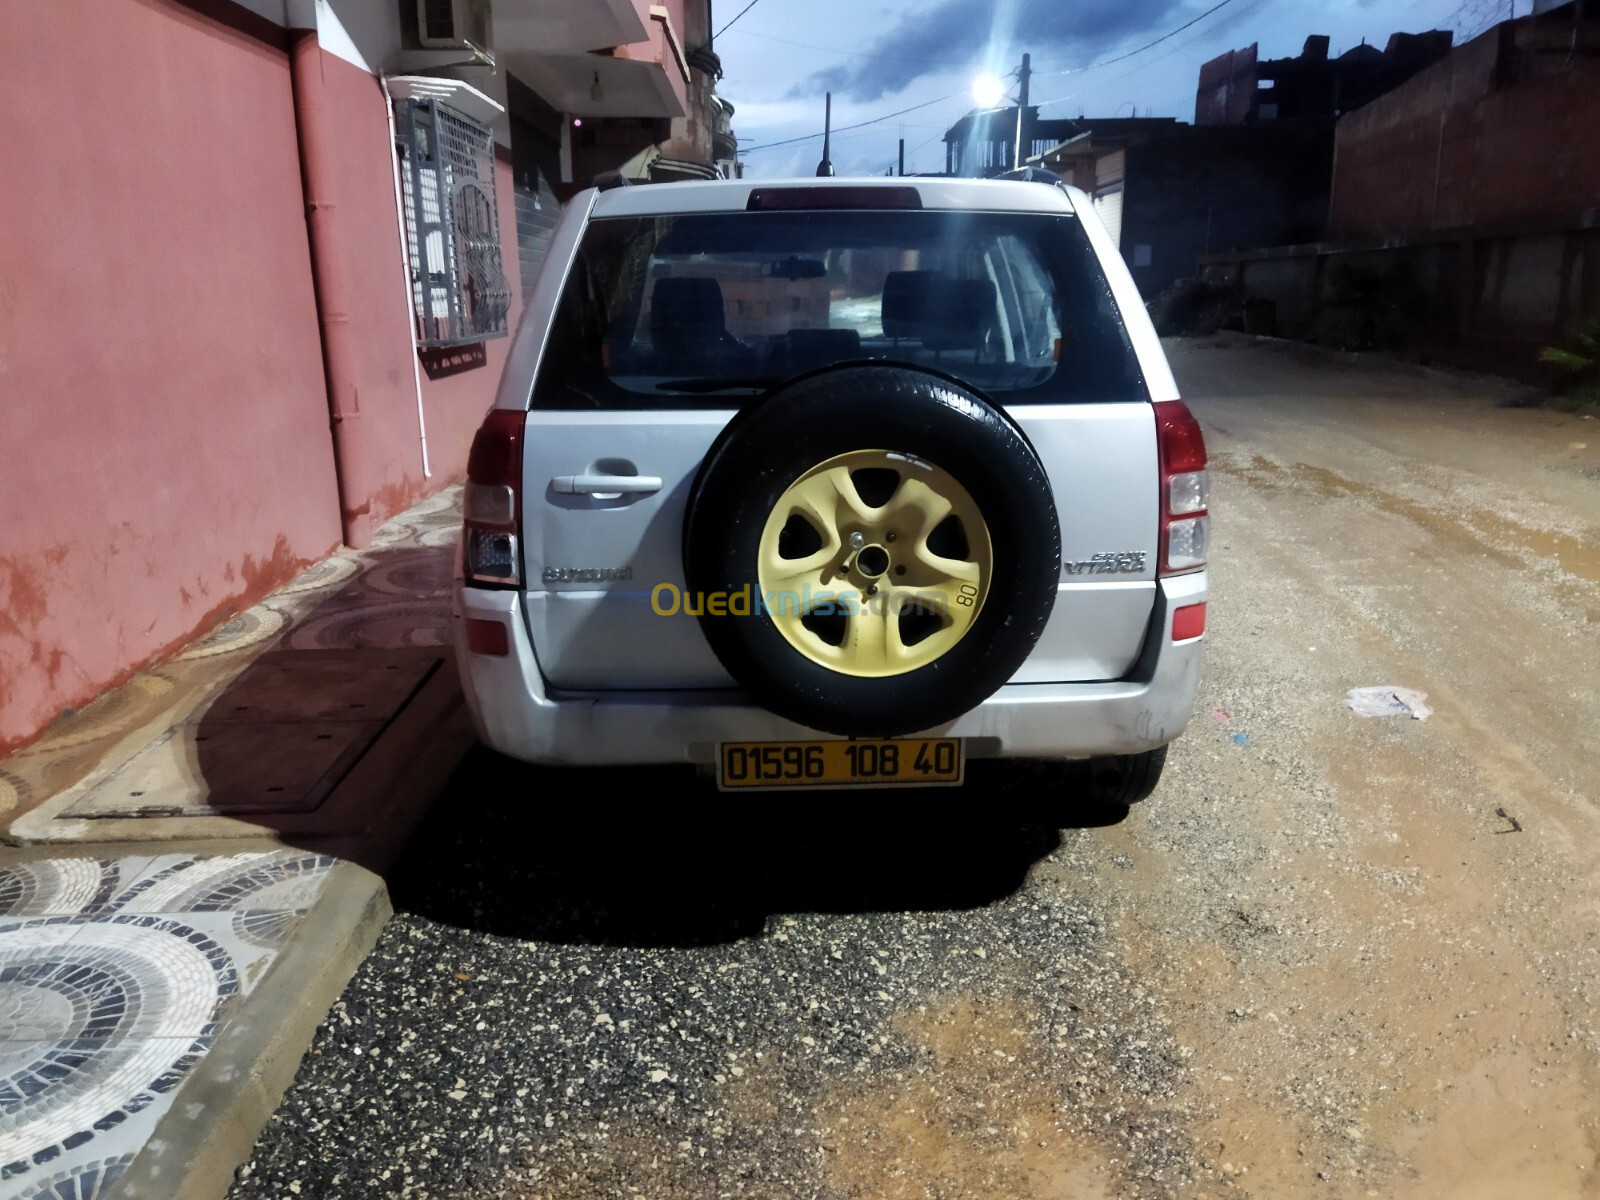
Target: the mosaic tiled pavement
(116, 975)
(122, 969)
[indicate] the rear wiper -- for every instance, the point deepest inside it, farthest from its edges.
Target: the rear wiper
(715, 383)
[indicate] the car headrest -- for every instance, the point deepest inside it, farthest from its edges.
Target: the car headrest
(943, 312)
(686, 308)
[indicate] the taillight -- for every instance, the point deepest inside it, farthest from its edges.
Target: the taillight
(1185, 488)
(492, 501)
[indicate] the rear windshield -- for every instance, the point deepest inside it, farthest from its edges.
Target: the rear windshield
(668, 311)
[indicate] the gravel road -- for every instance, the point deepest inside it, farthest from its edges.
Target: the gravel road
(1332, 957)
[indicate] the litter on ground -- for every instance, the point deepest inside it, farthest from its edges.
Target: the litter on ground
(1389, 701)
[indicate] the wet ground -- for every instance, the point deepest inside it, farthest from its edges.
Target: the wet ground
(1332, 957)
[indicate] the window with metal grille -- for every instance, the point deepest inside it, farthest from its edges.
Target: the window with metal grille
(459, 292)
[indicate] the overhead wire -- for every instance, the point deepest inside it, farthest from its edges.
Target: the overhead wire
(1472, 17)
(1238, 15)
(1244, 12)
(846, 128)
(920, 62)
(1147, 46)
(912, 152)
(736, 16)
(941, 130)
(1011, 75)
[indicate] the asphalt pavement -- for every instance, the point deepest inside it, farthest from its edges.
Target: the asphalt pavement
(1333, 956)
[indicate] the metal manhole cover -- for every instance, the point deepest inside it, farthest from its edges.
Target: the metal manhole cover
(321, 685)
(232, 769)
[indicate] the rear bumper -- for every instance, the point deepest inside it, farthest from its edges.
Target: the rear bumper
(516, 714)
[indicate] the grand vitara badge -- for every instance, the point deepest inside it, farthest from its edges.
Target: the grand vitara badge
(586, 574)
(1127, 562)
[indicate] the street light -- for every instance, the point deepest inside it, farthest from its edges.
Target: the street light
(987, 91)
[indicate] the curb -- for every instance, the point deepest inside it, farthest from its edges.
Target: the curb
(234, 1090)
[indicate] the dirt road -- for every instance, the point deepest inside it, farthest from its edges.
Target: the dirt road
(1390, 977)
(1332, 957)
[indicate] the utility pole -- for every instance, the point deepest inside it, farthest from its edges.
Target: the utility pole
(1022, 107)
(902, 156)
(825, 167)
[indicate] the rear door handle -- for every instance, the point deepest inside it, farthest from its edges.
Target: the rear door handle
(606, 485)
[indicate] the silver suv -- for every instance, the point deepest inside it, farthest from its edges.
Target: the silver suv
(835, 482)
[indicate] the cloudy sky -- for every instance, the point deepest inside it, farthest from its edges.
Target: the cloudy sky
(882, 56)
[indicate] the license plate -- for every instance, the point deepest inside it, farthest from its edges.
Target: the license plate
(901, 762)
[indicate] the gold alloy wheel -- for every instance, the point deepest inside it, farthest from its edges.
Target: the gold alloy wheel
(852, 582)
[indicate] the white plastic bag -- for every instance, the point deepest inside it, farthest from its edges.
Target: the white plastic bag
(1389, 701)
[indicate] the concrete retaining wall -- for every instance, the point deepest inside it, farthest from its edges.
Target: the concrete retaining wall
(1488, 298)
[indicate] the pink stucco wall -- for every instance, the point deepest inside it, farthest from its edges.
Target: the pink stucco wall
(657, 49)
(167, 456)
(369, 233)
(164, 427)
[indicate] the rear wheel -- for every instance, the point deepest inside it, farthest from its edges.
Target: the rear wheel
(1114, 781)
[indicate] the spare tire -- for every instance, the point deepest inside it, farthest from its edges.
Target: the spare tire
(895, 542)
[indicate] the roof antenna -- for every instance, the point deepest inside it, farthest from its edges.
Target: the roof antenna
(825, 167)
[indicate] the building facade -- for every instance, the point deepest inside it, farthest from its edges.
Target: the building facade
(1254, 169)
(1170, 194)
(261, 269)
(1238, 87)
(1474, 189)
(1503, 130)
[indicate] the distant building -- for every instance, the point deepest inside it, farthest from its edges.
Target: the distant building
(1237, 88)
(1473, 189)
(1253, 170)
(1503, 130)
(1170, 193)
(983, 145)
